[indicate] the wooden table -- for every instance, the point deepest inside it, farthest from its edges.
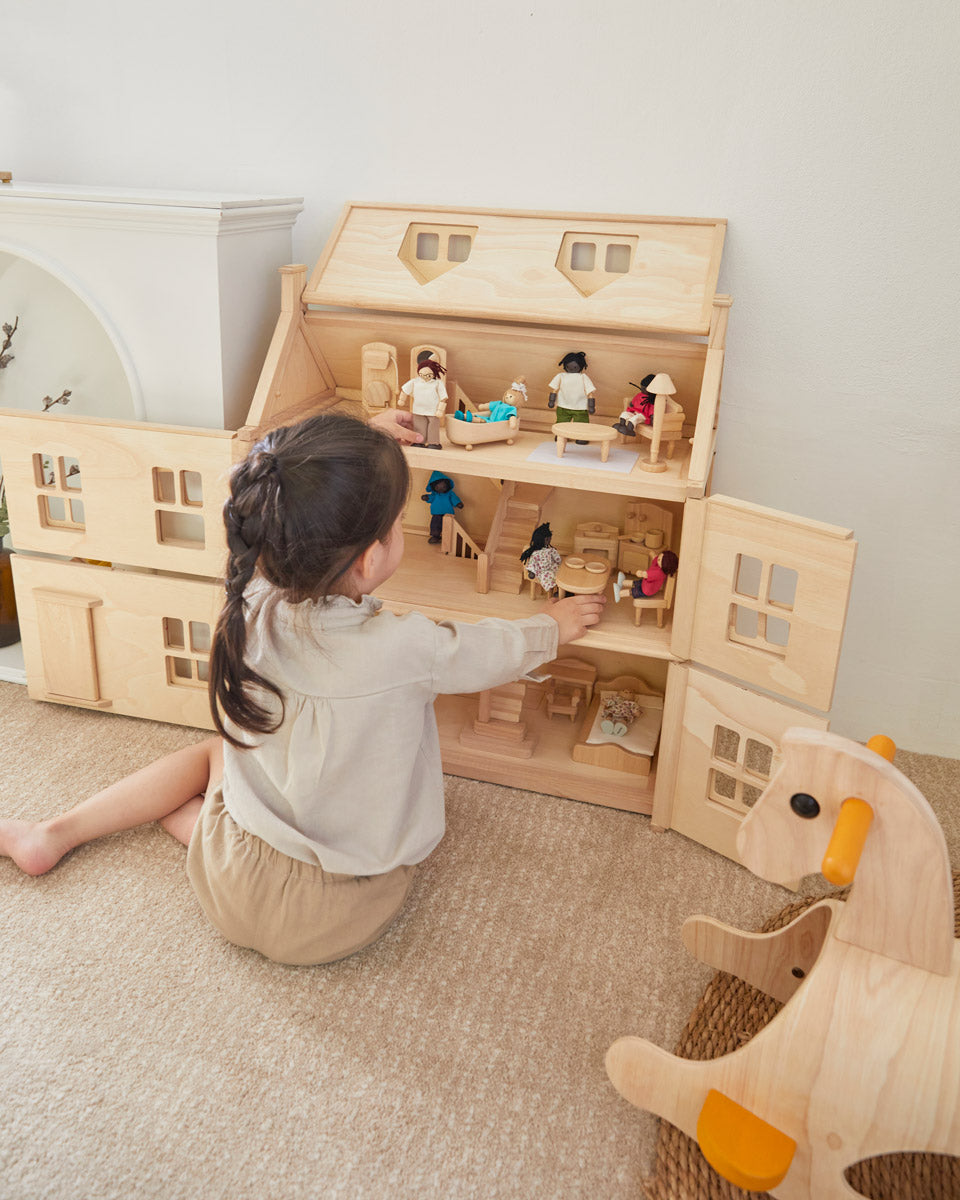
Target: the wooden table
(582, 431)
(578, 581)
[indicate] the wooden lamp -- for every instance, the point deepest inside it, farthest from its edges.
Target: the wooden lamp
(661, 386)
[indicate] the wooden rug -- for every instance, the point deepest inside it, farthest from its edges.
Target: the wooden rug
(731, 1012)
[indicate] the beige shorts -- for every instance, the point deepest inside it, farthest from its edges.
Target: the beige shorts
(290, 911)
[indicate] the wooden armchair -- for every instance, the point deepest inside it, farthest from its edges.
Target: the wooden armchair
(563, 700)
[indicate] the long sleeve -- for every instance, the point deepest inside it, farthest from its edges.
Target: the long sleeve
(472, 658)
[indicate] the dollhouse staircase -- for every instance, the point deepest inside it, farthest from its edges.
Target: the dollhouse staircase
(517, 515)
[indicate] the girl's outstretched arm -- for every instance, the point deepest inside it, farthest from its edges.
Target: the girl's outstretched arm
(169, 790)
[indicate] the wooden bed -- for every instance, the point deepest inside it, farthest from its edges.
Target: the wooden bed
(632, 752)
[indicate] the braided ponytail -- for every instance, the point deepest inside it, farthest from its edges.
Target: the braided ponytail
(304, 504)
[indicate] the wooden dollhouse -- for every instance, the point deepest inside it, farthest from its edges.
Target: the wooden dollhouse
(121, 549)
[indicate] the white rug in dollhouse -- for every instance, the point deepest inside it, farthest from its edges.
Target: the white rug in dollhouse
(619, 460)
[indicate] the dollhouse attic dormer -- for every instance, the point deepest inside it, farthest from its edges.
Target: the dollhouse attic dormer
(507, 294)
(582, 271)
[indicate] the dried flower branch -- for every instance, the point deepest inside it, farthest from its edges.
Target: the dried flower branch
(63, 398)
(8, 332)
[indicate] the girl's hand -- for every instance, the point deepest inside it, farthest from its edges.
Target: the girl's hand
(398, 424)
(574, 615)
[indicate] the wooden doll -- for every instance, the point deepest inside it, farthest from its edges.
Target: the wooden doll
(541, 560)
(428, 396)
(639, 411)
(572, 390)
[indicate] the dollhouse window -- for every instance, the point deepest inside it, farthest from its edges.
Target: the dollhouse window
(763, 599)
(740, 768)
(175, 493)
(58, 483)
(458, 247)
(618, 257)
(190, 666)
(429, 251)
(428, 247)
(591, 261)
(583, 256)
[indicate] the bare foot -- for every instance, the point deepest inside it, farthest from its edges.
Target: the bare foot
(31, 845)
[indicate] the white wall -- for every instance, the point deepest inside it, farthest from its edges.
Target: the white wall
(824, 131)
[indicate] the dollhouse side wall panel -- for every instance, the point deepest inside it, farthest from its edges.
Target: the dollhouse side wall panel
(771, 599)
(138, 643)
(148, 496)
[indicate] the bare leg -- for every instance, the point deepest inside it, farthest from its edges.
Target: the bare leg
(181, 821)
(168, 790)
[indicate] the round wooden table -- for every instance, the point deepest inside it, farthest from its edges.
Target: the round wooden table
(577, 580)
(582, 431)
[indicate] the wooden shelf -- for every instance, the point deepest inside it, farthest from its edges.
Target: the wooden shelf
(500, 461)
(451, 595)
(550, 770)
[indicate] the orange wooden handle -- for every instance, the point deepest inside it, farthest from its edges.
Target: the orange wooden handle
(883, 746)
(847, 841)
(853, 824)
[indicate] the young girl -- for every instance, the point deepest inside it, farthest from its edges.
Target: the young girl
(306, 817)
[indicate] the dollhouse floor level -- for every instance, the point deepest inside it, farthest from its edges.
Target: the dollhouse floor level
(550, 770)
(501, 461)
(453, 596)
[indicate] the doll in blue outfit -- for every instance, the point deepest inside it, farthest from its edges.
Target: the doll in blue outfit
(442, 500)
(499, 410)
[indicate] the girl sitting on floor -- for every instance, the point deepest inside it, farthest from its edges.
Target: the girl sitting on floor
(306, 817)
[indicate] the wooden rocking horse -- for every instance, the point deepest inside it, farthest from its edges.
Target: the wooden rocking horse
(864, 1057)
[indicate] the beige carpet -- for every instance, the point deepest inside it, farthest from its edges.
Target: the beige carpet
(462, 1056)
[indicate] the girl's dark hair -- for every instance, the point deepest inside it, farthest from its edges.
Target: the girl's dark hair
(575, 356)
(304, 504)
(538, 539)
(669, 562)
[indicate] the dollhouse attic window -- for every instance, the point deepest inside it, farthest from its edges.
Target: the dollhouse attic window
(591, 261)
(429, 251)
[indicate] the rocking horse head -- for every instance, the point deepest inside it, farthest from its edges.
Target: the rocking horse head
(843, 809)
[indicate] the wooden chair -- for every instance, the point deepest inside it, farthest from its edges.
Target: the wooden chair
(672, 430)
(660, 602)
(575, 671)
(563, 701)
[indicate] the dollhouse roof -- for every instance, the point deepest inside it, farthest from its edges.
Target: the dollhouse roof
(582, 270)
